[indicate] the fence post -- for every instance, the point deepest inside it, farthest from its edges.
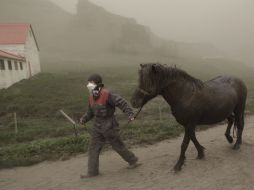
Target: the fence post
(160, 113)
(15, 123)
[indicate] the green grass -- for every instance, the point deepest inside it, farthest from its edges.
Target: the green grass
(25, 152)
(40, 150)
(43, 133)
(34, 129)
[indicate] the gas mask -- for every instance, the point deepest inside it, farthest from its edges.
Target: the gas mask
(91, 86)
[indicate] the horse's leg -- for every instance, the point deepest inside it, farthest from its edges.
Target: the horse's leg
(184, 146)
(239, 119)
(199, 147)
(227, 133)
(239, 116)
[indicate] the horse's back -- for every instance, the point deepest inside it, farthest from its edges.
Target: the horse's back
(221, 96)
(227, 84)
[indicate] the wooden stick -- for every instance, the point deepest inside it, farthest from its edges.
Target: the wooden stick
(68, 117)
(70, 120)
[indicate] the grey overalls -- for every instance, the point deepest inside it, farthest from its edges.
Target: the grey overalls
(106, 128)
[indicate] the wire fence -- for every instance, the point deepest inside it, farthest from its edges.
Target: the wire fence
(17, 129)
(9, 122)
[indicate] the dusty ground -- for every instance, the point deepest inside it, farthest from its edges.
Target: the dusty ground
(223, 168)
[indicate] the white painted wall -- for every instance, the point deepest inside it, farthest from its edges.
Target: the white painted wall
(29, 50)
(9, 77)
(32, 54)
(31, 67)
(18, 49)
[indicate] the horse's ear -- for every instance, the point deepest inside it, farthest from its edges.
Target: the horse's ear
(141, 65)
(154, 68)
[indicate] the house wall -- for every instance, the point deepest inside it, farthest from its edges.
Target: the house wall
(9, 77)
(31, 67)
(18, 49)
(28, 50)
(32, 54)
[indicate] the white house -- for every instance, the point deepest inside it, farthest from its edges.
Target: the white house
(19, 53)
(13, 68)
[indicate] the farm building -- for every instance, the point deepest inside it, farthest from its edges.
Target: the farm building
(19, 53)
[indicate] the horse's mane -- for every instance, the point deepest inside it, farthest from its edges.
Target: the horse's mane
(165, 72)
(176, 73)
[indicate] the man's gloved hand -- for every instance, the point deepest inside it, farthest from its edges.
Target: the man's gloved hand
(82, 121)
(131, 118)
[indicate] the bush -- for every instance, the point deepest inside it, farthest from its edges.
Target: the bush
(37, 151)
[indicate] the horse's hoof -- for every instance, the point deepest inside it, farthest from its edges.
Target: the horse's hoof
(230, 139)
(236, 147)
(201, 156)
(177, 168)
(201, 153)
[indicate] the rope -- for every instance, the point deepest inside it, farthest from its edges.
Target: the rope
(135, 116)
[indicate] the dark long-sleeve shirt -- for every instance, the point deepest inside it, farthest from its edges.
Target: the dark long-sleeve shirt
(103, 110)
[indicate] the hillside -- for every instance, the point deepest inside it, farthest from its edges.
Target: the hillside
(94, 40)
(92, 36)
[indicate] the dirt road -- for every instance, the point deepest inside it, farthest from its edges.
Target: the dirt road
(223, 168)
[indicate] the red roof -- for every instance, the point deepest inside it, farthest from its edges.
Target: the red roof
(15, 33)
(11, 56)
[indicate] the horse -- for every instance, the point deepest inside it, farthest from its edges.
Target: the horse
(193, 102)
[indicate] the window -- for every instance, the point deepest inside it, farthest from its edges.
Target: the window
(9, 65)
(2, 66)
(21, 65)
(16, 65)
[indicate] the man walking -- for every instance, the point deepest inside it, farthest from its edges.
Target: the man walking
(102, 106)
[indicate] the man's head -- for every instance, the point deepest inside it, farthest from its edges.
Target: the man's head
(95, 78)
(94, 84)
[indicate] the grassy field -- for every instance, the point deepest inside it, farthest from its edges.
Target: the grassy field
(43, 133)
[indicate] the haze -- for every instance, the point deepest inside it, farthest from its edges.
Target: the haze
(227, 24)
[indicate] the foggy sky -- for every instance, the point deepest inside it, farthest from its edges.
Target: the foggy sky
(227, 24)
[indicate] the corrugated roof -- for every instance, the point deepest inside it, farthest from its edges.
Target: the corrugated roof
(15, 33)
(9, 55)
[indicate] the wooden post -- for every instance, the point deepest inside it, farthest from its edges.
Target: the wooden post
(160, 113)
(15, 123)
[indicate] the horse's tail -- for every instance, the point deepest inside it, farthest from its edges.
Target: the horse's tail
(239, 111)
(234, 130)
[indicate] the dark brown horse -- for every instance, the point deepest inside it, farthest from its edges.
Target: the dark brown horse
(194, 102)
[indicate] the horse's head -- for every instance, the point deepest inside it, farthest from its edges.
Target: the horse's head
(148, 86)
